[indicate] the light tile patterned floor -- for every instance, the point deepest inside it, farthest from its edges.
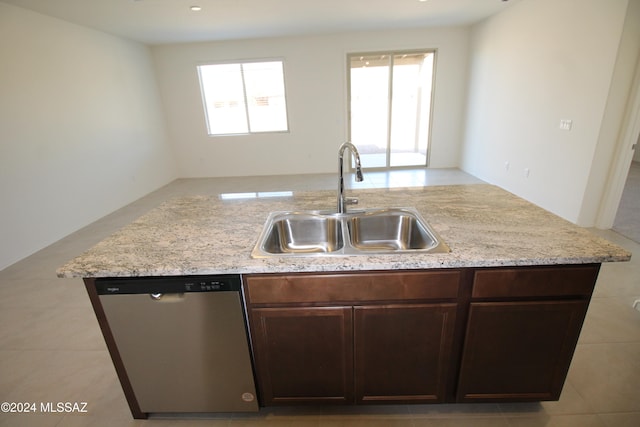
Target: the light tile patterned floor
(51, 349)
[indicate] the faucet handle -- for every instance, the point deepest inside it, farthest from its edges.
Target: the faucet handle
(350, 200)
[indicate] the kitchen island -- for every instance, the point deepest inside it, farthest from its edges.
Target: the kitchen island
(483, 225)
(496, 319)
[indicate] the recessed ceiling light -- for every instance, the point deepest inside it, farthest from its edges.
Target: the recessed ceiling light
(195, 8)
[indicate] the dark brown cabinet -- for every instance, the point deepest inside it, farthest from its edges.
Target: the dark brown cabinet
(521, 349)
(467, 335)
(403, 352)
(304, 355)
(352, 338)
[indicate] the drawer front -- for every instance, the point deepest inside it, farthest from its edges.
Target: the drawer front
(352, 287)
(535, 281)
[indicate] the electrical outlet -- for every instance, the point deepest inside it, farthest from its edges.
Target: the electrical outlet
(506, 165)
(566, 124)
(526, 172)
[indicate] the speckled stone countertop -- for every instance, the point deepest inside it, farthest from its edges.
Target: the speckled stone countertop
(483, 225)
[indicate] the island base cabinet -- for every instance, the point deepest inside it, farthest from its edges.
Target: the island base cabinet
(353, 338)
(518, 351)
(434, 336)
(346, 355)
(303, 355)
(403, 352)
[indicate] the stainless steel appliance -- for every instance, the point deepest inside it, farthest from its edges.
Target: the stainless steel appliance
(183, 342)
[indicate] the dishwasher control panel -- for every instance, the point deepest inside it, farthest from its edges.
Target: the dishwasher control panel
(167, 285)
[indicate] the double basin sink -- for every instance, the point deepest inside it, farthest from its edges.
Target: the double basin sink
(363, 232)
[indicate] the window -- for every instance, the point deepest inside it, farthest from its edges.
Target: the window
(390, 107)
(244, 98)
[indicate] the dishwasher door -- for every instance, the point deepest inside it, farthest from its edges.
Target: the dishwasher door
(183, 342)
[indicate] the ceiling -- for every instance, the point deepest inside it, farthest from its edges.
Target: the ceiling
(172, 21)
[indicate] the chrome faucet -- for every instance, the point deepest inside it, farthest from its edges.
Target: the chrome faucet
(342, 201)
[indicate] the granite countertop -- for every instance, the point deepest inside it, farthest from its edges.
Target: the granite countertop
(483, 225)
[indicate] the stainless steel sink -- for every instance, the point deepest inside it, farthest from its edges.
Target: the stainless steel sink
(302, 233)
(365, 232)
(390, 230)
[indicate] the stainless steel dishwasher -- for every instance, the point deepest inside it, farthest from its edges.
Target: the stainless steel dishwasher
(183, 342)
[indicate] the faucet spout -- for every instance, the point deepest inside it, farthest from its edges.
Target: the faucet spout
(342, 202)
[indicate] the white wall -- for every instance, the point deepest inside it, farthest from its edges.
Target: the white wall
(81, 129)
(536, 63)
(315, 74)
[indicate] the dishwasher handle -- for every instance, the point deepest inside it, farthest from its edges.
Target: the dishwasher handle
(160, 297)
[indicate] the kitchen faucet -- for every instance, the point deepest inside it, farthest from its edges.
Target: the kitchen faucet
(342, 201)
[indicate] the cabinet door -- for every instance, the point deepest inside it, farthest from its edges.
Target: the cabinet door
(303, 355)
(518, 351)
(403, 352)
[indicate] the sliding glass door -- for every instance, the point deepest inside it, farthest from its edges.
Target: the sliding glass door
(390, 107)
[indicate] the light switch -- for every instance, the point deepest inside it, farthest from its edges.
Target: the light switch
(565, 124)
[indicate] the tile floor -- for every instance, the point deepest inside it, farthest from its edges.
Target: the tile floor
(51, 349)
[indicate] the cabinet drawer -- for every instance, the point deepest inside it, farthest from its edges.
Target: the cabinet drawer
(535, 281)
(352, 287)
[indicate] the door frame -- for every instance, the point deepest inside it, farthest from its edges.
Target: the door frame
(392, 52)
(624, 152)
